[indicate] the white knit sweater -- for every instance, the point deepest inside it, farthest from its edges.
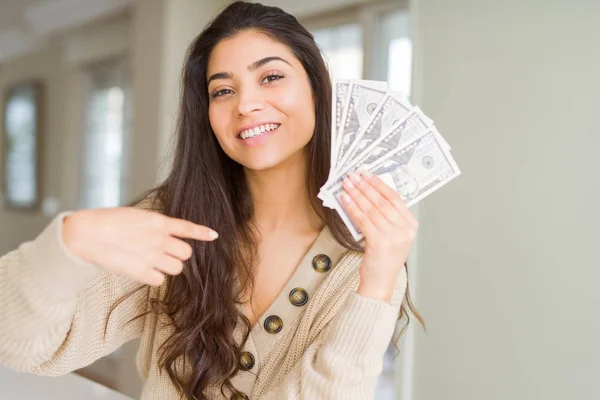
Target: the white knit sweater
(53, 309)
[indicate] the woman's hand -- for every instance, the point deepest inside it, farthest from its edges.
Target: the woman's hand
(138, 244)
(389, 229)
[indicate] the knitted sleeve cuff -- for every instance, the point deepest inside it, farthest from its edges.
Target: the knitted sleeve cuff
(361, 332)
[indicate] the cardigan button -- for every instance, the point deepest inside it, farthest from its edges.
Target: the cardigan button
(246, 361)
(298, 297)
(239, 396)
(273, 324)
(321, 263)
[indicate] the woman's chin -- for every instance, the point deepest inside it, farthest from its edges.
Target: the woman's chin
(261, 165)
(273, 158)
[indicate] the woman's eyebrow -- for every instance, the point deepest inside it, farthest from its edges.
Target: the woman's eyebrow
(219, 75)
(251, 67)
(263, 61)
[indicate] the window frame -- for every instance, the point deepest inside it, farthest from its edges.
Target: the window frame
(366, 16)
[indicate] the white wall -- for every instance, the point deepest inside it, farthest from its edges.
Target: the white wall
(508, 276)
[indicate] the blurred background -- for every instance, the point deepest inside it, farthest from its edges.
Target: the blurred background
(505, 267)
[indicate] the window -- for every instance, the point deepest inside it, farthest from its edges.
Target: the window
(342, 48)
(394, 50)
(105, 175)
(20, 146)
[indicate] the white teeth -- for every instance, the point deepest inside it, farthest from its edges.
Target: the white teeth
(258, 130)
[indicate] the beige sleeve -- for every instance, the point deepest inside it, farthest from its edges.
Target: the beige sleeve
(54, 307)
(346, 360)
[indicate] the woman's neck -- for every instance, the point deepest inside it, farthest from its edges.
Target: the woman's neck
(281, 201)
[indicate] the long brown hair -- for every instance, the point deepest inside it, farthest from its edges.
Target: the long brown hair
(205, 186)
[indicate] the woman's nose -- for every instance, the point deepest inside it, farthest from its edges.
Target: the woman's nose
(250, 102)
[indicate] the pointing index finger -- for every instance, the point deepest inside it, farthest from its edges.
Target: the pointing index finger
(187, 229)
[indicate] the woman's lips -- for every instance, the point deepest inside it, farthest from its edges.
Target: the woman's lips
(259, 139)
(257, 129)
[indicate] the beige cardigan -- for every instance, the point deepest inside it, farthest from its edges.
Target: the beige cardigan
(53, 310)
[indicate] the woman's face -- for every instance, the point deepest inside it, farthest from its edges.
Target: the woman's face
(261, 107)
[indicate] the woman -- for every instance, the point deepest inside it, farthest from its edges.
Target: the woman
(283, 304)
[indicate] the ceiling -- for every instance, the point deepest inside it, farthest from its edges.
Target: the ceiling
(26, 24)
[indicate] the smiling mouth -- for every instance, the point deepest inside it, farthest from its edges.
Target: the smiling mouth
(257, 131)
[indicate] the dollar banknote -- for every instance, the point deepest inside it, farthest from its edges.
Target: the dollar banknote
(414, 172)
(406, 130)
(390, 111)
(340, 89)
(375, 129)
(361, 101)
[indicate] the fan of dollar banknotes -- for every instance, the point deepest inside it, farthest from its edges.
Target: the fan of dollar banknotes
(374, 129)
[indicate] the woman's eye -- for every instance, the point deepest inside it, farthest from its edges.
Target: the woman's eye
(272, 77)
(220, 93)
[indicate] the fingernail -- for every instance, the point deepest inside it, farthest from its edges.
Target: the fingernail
(346, 198)
(213, 234)
(355, 177)
(348, 183)
(367, 174)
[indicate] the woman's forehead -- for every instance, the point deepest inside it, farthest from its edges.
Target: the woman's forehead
(242, 50)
